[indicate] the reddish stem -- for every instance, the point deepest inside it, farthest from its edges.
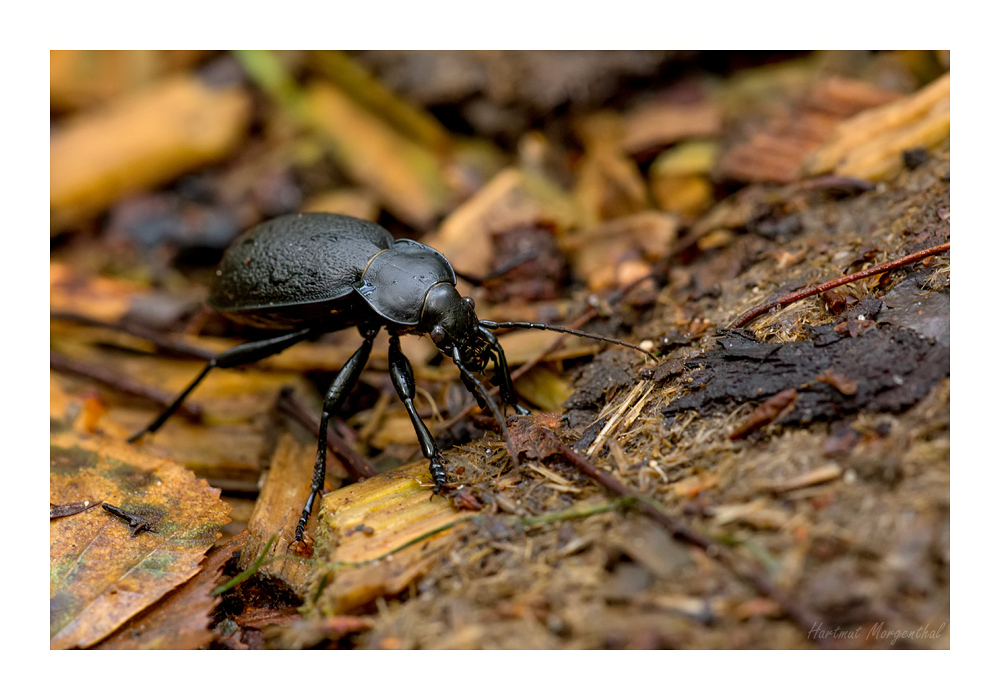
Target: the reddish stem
(820, 288)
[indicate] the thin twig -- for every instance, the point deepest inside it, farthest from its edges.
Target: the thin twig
(121, 383)
(820, 288)
(164, 343)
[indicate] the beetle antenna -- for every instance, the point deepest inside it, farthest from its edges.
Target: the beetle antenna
(560, 329)
(494, 409)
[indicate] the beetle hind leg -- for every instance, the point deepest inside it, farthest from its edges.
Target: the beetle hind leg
(233, 357)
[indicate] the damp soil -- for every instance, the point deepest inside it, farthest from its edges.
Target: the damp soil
(837, 496)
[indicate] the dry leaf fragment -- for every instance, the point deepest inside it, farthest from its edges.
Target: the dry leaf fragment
(533, 436)
(97, 297)
(99, 575)
(776, 151)
(693, 485)
(140, 141)
(360, 85)
(870, 145)
(845, 385)
(618, 252)
(514, 198)
(659, 124)
(181, 620)
(609, 184)
(544, 388)
(756, 514)
(406, 175)
(820, 475)
(80, 78)
(767, 412)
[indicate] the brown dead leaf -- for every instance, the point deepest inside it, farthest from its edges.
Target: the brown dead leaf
(607, 255)
(609, 184)
(658, 124)
(693, 485)
(182, 618)
(356, 202)
(102, 298)
(532, 435)
(79, 78)
(845, 385)
(544, 388)
(870, 145)
(777, 150)
(100, 576)
(361, 86)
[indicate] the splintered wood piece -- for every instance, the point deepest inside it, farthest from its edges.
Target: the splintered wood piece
(277, 512)
(377, 536)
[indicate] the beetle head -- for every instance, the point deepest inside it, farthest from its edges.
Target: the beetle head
(450, 320)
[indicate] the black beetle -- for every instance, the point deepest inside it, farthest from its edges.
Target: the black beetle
(310, 274)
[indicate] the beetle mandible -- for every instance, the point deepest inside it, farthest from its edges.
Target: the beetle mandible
(303, 275)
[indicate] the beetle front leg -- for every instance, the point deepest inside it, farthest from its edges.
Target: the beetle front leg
(402, 379)
(505, 383)
(339, 389)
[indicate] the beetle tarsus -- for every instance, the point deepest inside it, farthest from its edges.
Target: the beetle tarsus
(439, 474)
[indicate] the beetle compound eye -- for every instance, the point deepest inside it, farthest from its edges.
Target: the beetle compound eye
(470, 301)
(438, 335)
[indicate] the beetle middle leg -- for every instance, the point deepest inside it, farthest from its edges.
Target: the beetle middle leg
(342, 384)
(233, 357)
(402, 379)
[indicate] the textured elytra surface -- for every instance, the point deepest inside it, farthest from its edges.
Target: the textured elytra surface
(295, 260)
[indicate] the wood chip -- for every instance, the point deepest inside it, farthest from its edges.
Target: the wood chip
(141, 141)
(819, 475)
(862, 146)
